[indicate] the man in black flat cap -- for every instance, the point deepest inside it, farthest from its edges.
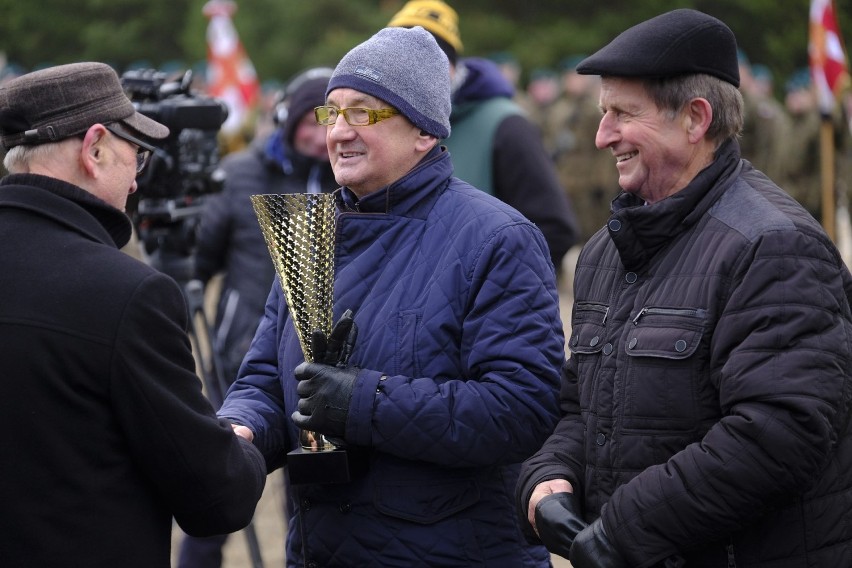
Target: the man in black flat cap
(108, 436)
(706, 400)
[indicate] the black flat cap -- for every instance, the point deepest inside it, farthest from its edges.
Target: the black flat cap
(679, 42)
(59, 102)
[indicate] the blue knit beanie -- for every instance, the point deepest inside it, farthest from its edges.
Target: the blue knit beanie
(405, 68)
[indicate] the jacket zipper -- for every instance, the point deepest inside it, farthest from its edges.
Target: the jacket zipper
(600, 308)
(732, 562)
(668, 312)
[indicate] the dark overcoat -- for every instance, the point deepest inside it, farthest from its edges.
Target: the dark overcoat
(107, 434)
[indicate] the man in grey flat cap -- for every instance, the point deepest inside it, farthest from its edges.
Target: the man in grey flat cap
(108, 436)
(453, 379)
(706, 399)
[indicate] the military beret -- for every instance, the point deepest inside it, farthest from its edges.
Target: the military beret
(59, 102)
(680, 42)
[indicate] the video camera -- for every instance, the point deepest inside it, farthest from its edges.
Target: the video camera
(184, 169)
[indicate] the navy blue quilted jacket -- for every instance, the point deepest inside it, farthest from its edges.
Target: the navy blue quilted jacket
(454, 296)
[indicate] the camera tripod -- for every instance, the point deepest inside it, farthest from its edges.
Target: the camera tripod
(207, 357)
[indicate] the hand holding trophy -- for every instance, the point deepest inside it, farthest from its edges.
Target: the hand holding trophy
(299, 230)
(326, 384)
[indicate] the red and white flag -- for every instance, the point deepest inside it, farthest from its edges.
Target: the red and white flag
(827, 56)
(230, 73)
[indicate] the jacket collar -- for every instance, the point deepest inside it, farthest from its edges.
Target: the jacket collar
(67, 204)
(412, 195)
(640, 231)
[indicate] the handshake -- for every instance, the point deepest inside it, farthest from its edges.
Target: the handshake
(564, 532)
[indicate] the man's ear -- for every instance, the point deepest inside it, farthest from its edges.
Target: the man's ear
(699, 116)
(425, 141)
(92, 152)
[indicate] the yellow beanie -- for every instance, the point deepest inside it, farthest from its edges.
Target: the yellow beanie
(435, 16)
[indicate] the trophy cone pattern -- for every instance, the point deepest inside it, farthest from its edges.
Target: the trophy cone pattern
(299, 231)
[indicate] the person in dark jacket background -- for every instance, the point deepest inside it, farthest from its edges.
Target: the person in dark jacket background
(108, 433)
(706, 400)
(494, 145)
(292, 159)
(453, 379)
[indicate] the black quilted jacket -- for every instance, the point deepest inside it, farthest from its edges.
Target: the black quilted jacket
(706, 399)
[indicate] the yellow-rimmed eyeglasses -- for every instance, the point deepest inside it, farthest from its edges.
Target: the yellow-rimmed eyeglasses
(354, 116)
(143, 149)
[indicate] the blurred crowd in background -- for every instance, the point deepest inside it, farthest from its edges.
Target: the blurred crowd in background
(781, 136)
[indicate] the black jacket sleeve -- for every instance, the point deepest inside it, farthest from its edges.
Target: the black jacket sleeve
(208, 477)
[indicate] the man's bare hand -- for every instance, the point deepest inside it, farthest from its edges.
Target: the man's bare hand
(243, 432)
(542, 490)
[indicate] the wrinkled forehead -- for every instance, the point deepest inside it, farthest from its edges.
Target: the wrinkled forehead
(628, 88)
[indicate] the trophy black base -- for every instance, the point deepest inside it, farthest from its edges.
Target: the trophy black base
(332, 466)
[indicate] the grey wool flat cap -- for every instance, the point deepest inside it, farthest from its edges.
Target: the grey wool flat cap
(680, 42)
(59, 102)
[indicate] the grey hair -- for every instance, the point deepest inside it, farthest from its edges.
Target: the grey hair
(672, 94)
(19, 159)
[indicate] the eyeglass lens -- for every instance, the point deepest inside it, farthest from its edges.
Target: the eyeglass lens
(355, 116)
(143, 154)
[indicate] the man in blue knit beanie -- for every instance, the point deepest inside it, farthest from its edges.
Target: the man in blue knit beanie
(452, 380)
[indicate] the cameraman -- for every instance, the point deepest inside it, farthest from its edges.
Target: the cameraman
(108, 434)
(293, 159)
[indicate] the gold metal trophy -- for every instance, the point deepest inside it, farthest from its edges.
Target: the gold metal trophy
(299, 231)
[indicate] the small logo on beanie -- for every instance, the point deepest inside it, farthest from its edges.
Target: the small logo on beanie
(368, 73)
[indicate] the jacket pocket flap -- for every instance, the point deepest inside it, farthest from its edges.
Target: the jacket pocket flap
(589, 320)
(668, 333)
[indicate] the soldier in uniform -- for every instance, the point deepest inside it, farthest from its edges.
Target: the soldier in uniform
(767, 128)
(585, 172)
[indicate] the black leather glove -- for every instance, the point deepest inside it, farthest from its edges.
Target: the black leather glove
(337, 348)
(593, 549)
(325, 393)
(558, 520)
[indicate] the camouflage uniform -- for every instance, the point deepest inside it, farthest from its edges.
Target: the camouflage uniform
(587, 173)
(766, 135)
